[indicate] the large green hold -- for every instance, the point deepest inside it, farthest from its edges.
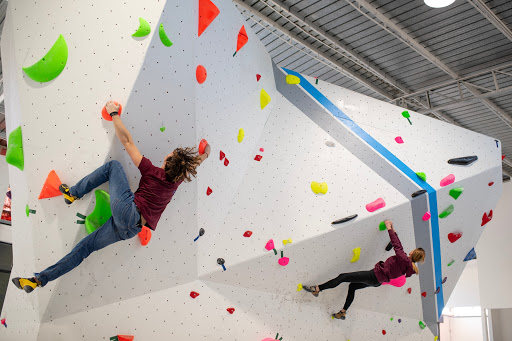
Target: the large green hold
(163, 36)
(143, 30)
(14, 154)
(422, 176)
(382, 226)
(101, 212)
(447, 212)
(51, 65)
(456, 192)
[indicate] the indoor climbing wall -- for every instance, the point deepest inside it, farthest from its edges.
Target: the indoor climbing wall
(186, 70)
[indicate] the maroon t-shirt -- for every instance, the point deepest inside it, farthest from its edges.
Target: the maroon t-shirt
(154, 192)
(394, 266)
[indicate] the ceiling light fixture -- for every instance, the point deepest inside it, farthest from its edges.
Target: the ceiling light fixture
(438, 3)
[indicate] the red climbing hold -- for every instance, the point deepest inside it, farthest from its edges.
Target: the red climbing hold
(248, 234)
(453, 237)
(222, 155)
(231, 310)
(226, 162)
(125, 337)
(262, 150)
(503, 157)
(491, 183)
(383, 332)
(208, 191)
(200, 74)
(207, 13)
(242, 39)
(258, 157)
(145, 235)
(486, 218)
(258, 77)
(424, 294)
(202, 146)
(409, 290)
(51, 186)
(194, 294)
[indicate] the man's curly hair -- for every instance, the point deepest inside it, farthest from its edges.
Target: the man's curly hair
(181, 166)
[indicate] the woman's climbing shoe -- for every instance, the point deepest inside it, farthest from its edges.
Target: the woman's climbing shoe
(27, 284)
(312, 289)
(68, 198)
(339, 315)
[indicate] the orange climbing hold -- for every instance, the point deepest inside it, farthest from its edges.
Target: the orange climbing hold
(106, 116)
(242, 39)
(207, 13)
(125, 337)
(145, 235)
(51, 186)
(200, 74)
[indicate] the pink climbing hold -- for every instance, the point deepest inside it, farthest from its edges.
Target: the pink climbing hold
(270, 245)
(262, 150)
(426, 216)
(453, 237)
(450, 179)
(397, 282)
(374, 206)
(283, 261)
(399, 140)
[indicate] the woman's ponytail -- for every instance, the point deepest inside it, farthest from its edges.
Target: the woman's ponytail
(418, 255)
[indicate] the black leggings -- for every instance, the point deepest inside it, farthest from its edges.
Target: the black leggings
(358, 280)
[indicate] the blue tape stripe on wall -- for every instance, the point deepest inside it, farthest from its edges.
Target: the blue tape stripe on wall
(436, 246)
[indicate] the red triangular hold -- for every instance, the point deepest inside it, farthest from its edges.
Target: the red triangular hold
(258, 77)
(51, 186)
(486, 218)
(242, 39)
(222, 155)
(125, 337)
(207, 13)
(145, 235)
(226, 162)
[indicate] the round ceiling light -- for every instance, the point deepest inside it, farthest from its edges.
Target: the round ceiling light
(438, 3)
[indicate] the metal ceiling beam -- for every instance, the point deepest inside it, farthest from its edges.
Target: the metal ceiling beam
(482, 7)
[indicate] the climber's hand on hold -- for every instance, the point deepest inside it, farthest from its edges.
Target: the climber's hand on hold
(111, 107)
(389, 224)
(206, 154)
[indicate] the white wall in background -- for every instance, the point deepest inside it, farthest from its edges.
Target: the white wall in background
(461, 329)
(466, 292)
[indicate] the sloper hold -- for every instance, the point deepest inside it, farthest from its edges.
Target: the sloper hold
(446, 212)
(471, 255)
(207, 13)
(143, 30)
(242, 39)
(51, 65)
(163, 36)
(422, 176)
(463, 161)
(375, 205)
(101, 212)
(51, 186)
(344, 220)
(264, 99)
(318, 187)
(14, 155)
(448, 180)
(356, 254)
(456, 192)
(291, 79)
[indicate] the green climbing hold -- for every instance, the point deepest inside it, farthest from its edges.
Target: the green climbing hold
(422, 176)
(406, 115)
(382, 226)
(51, 65)
(144, 29)
(101, 212)
(391, 319)
(14, 154)
(456, 192)
(446, 212)
(162, 129)
(422, 325)
(450, 264)
(163, 37)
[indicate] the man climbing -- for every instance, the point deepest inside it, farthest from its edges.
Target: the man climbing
(130, 211)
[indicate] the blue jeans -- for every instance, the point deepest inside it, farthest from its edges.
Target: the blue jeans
(124, 223)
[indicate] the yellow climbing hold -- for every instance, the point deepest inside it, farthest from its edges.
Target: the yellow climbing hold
(299, 287)
(319, 187)
(264, 99)
(241, 134)
(435, 338)
(357, 254)
(291, 79)
(286, 241)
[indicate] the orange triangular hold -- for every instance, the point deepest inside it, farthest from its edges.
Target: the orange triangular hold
(125, 337)
(242, 39)
(145, 236)
(207, 13)
(51, 186)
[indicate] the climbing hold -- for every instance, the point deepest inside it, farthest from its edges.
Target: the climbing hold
(262, 150)
(258, 77)
(463, 161)
(247, 234)
(241, 135)
(330, 144)
(502, 157)
(426, 216)
(226, 162)
(101, 212)
(422, 325)
(201, 232)
(397, 282)
(486, 218)
(317, 187)
(450, 264)
(438, 290)
(422, 176)
(418, 193)
(382, 226)
(106, 116)
(283, 261)
(231, 310)
(399, 140)
(221, 262)
(208, 191)
(222, 155)
(241, 40)
(143, 29)
(287, 241)
(456, 192)
(194, 294)
(124, 338)
(453, 237)
(471, 255)
(4, 323)
(200, 74)
(299, 287)
(28, 211)
(406, 115)
(202, 146)
(162, 129)
(424, 294)
(491, 183)
(389, 246)
(264, 99)
(144, 235)
(51, 65)
(391, 319)
(436, 338)
(383, 332)
(258, 157)
(450, 179)
(356, 254)
(207, 13)
(291, 79)
(14, 154)
(444, 280)
(399, 320)
(163, 36)
(51, 186)
(344, 220)
(270, 246)
(375, 205)
(409, 290)
(446, 212)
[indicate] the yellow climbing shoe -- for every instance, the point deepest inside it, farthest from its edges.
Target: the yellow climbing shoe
(68, 198)
(27, 284)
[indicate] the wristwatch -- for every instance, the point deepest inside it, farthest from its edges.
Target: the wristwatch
(114, 113)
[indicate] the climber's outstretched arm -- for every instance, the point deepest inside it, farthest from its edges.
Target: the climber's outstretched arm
(123, 134)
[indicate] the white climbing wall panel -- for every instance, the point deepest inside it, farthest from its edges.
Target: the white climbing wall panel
(144, 291)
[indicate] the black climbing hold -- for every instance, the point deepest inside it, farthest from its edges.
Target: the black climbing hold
(497, 146)
(80, 215)
(464, 161)
(201, 231)
(438, 290)
(220, 261)
(420, 192)
(389, 247)
(344, 220)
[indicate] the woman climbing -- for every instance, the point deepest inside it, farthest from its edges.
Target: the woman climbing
(393, 267)
(130, 211)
